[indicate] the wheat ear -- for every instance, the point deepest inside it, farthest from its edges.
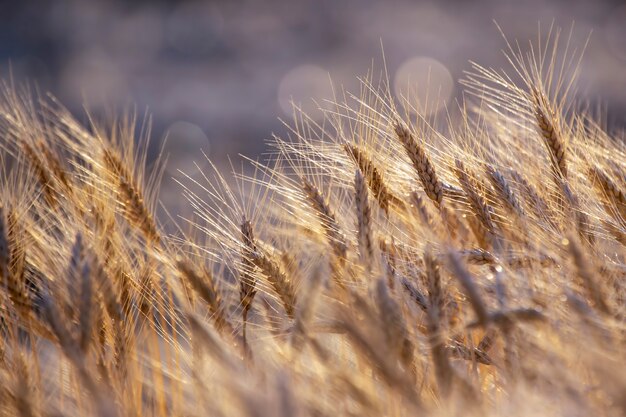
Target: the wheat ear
(443, 369)
(86, 309)
(421, 163)
(135, 208)
(585, 272)
(5, 250)
(247, 281)
(415, 294)
(547, 122)
(538, 204)
(364, 219)
(43, 175)
(374, 177)
(479, 205)
(469, 287)
(336, 237)
(278, 279)
(394, 325)
(204, 285)
(504, 190)
(611, 191)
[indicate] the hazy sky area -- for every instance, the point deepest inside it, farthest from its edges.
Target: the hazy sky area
(217, 75)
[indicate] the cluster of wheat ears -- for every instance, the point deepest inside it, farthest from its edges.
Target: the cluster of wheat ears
(381, 262)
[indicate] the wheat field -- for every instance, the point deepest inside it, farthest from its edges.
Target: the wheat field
(379, 262)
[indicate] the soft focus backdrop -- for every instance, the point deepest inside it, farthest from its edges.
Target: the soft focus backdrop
(216, 75)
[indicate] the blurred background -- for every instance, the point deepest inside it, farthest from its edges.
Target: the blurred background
(217, 75)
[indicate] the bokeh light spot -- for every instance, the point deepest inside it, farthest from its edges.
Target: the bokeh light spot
(308, 86)
(183, 147)
(426, 83)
